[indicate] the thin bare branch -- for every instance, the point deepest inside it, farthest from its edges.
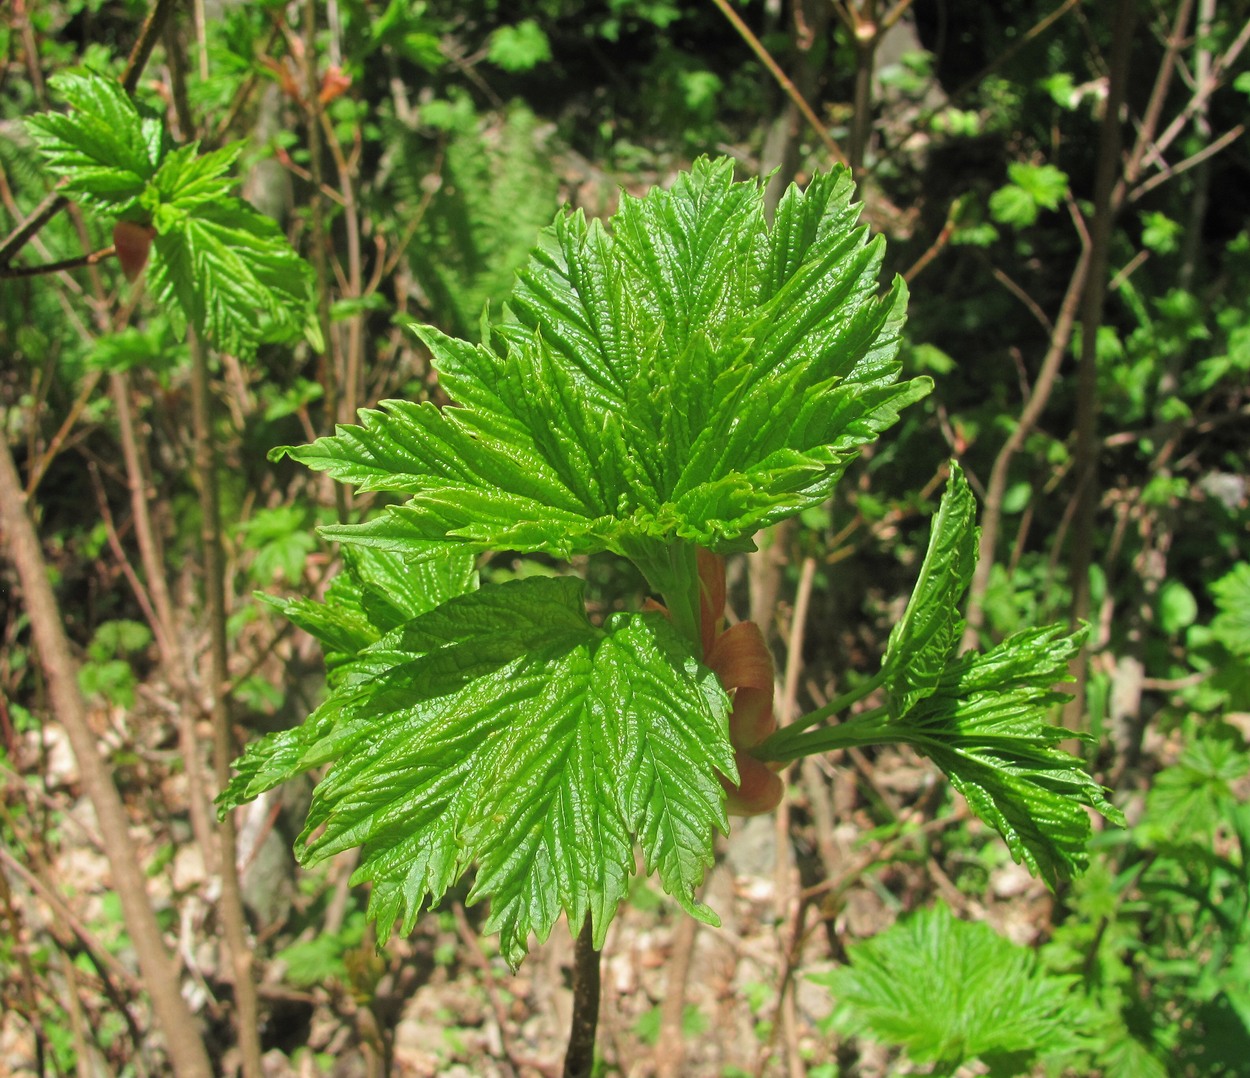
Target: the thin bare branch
(183, 1042)
(44, 268)
(1208, 151)
(783, 80)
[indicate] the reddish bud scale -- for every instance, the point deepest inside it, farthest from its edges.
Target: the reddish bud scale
(333, 83)
(741, 659)
(132, 242)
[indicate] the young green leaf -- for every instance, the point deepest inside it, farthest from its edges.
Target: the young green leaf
(104, 148)
(187, 179)
(376, 591)
(1198, 792)
(924, 640)
(503, 729)
(1231, 626)
(982, 718)
(951, 992)
(985, 725)
(228, 270)
(216, 262)
(692, 376)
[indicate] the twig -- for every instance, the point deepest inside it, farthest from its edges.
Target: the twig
(1210, 150)
(1154, 106)
(52, 204)
(991, 519)
(794, 942)
(182, 1036)
(1029, 302)
(791, 91)
(428, 191)
(1039, 27)
(670, 1048)
(1176, 684)
(244, 90)
(27, 982)
(1198, 102)
(939, 244)
(65, 916)
(1131, 267)
(512, 1058)
(794, 644)
(77, 262)
(231, 904)
(353, 371)
(328, 371)
(119, 552)
(149, 34)
(178, 83)
(1106, 205)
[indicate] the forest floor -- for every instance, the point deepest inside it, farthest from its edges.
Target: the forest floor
(678, 998)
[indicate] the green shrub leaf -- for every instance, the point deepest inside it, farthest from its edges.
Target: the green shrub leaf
(985, 725)
(691, 375)
(926, 636)
(216, 262)
(104, 148)
(951, 992)
(1231, 626)
(504, 729)
(228, 270)
(520, 47)
(982, 718)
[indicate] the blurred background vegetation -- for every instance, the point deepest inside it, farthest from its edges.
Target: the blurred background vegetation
(1066, 188)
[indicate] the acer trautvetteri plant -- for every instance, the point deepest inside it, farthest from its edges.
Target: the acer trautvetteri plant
(660, 388)
(213, 261)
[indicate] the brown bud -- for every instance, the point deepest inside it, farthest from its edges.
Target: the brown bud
(132, 242)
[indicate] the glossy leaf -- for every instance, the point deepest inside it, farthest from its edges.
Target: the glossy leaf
(503, 729)
(926, 636)
(691, 375)
(986, 726)
(984, 719)
(106, 151)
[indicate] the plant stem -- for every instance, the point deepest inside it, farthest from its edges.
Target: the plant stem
(182, 1035)
(670, 1049)
(866, 35)
(137, 61)
(783, 80)
(672, 572)
(353, 372)
(77, 262)
(149, 33)
(1087, 398)
(247, 1020)
(329, 372)
(996, 489)
(579, 1060)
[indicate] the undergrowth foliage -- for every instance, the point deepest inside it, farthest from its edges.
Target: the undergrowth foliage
(951, 992)
(674, 381)
(216, 263)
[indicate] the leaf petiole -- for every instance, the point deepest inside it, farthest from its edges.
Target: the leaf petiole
(672, 571)
(784, 737)
(872, 727)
